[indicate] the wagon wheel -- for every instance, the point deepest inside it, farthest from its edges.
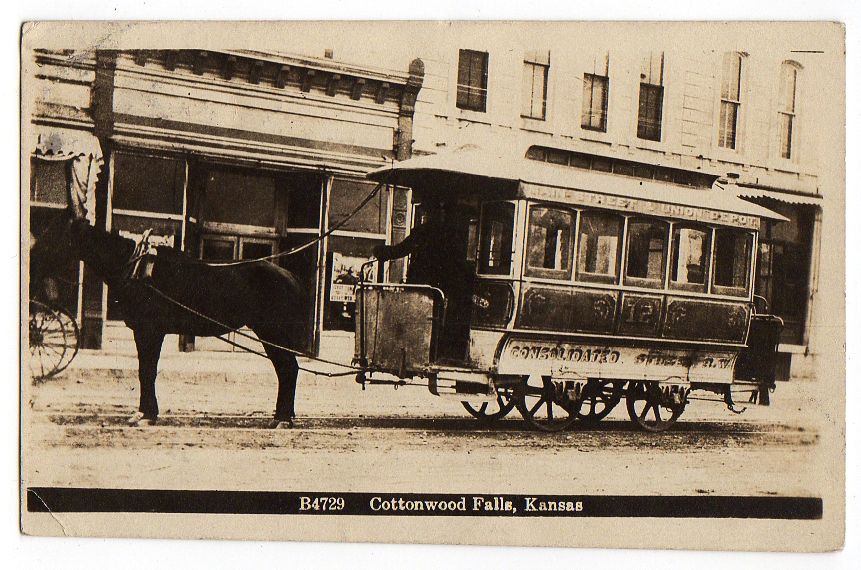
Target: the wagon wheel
(73, 338)
(491, 411)
(545, 403)
(47, 341)
(648, 408)
(598, 400)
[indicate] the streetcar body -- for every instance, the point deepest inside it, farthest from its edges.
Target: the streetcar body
(582, 279)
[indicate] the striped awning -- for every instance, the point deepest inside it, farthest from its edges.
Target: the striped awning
(747, 192)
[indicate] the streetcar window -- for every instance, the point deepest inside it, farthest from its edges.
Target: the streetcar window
(690, 262)
(732, 261)
(598, 252)
(549, 244)
(497, 235)
(647, 253)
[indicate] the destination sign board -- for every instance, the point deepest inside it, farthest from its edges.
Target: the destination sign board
(641, 206)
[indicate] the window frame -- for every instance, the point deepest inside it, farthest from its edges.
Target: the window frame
(728, 102)
(465, 91)
(532, 65)
(590, 112)
(645, 282)
(648, 82)
(589, 277)
(543, 272)
(515, 238)
(708, 248)
(729, 290)
(788, 114)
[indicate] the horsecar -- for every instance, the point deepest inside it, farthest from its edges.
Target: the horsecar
(582, 288)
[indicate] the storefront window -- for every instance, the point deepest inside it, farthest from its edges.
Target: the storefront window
(548, 249)
(598, 252)
(647, 253)
(689, 266)
(240, 197)
(148, 184)
(48, 182)
(732, 262)
(497, 235)
(347, 195)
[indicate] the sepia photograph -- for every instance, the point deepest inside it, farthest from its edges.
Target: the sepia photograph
(575, 284)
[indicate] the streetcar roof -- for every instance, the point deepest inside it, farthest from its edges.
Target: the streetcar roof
(564, 184)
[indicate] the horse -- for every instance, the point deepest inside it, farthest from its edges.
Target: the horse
(183, 295)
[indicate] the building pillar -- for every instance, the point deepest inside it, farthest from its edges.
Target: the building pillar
(400, 197)
(94, 293)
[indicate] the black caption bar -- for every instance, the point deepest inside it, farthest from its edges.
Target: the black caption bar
(79, 500)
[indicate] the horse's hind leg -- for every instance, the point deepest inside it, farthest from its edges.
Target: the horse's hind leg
(149, 349)
(287, 369)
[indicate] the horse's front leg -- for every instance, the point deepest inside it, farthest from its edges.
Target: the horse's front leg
(149, 349)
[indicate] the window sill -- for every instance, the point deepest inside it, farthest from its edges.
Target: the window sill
(535, 125)
(595, 136)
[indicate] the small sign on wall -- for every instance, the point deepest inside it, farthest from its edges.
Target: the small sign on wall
(346, 273)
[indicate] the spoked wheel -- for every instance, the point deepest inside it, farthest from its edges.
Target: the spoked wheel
(598, 400)
(545, 404)
(649, 409)
(48, 341)
(73, 338)
(488, 412)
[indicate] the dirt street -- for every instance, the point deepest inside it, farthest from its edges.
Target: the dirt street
(212, 435)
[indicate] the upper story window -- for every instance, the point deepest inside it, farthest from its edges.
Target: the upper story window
(596, 89)
(472, 80)
(787, 107)
(691, 253)
(549, 244)
(599, 250)
(730, 99)
(647, 252)
(651, 97)
(496, 239)
(536, 68)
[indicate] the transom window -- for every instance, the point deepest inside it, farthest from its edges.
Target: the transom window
(536, 67)
(732, 261)
(730, 100)
(497, 236)
(691, 254)
(549, 243)
(598, 253)
(647, 253)
(472, 80)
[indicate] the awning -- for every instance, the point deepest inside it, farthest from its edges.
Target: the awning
(747, 192)
(54, 143)
(85, 153)
(564, 184)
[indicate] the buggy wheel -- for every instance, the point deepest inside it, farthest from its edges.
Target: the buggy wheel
(649, 409)
(598, 399)
(545, 403)
(73, 338)
(47, 341)
(488, 412)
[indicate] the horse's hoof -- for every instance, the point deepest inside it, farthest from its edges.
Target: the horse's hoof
(138, 419)
(281, 424)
